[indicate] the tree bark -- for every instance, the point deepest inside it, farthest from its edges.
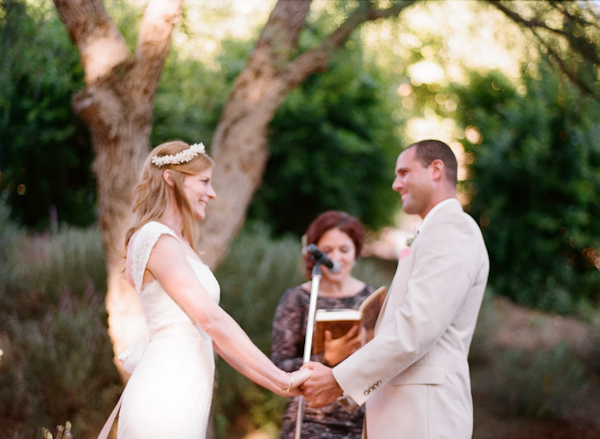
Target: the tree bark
(116, 106)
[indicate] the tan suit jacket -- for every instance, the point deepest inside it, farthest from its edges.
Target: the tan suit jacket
(414, 375)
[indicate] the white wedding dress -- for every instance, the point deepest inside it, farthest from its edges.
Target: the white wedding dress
(169, 394)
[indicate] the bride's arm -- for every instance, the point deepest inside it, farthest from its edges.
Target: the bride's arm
(248, 372)
(168, 264)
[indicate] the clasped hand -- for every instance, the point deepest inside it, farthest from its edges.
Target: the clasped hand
(321, 388)
(297, 379)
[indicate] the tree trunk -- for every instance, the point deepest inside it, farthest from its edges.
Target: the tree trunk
(116, 106)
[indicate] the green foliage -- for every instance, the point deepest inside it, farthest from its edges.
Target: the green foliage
(534, 186)
(188, 101)
(56, 362)
(332, 146)
(44, 151)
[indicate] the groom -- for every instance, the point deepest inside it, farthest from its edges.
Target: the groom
(414, 375)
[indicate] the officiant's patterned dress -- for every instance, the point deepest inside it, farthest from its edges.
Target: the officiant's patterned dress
(287, 350)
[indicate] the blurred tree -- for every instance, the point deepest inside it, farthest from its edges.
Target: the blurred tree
(45, 154)
(116, 105)
(536, 175)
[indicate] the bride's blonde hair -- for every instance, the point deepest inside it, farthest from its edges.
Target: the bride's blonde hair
(149, 198)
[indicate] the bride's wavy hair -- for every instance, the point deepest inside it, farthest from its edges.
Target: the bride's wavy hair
(150, 196)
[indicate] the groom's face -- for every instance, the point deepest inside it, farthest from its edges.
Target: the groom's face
(414, 184)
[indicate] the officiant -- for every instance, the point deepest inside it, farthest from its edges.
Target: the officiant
(341, 237)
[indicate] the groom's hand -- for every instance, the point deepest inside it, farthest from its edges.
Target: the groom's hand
(321, 388)
(299, 378)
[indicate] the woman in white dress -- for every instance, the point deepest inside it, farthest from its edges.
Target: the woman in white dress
(170, 392)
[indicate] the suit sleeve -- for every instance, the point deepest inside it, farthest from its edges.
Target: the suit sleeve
(445, 265)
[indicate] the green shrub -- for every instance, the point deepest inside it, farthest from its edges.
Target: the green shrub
(540, 383)
(253, 277)
(59, 367)
(534, 183)
(41, 267)
(56, 362)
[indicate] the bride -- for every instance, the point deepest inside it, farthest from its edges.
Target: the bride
(170, 391)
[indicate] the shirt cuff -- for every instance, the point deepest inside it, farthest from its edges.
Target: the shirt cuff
(347, 402)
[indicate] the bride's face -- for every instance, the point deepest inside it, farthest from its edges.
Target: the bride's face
(199, 191)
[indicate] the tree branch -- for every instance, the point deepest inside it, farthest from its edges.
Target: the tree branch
(560, 6)
(532, 24)
(563, 68)
(577, 42)
(363, 13)
(154, 42)
(315, 60)
(101, 45)
(278, 40)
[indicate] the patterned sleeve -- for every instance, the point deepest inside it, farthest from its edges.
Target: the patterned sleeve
(289, 331)
(142, 243)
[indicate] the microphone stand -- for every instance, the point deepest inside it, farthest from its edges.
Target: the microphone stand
(310, 324)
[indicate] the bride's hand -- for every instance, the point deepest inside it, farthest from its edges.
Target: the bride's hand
(297, 378)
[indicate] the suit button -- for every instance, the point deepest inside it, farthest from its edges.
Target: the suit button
(367, 392)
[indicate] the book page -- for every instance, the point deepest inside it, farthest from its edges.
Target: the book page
(370, 309)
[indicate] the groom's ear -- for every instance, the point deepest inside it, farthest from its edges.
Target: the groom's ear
(437, 169)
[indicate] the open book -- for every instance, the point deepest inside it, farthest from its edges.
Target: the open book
(340, 321)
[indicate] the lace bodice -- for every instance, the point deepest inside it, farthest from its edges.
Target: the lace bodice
(161, 312)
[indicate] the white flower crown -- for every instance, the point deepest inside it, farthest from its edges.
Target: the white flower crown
(181, 157)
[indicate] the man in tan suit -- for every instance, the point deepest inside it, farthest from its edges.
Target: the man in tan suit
(414, 376)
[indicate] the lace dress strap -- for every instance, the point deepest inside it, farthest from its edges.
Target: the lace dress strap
(142, 243)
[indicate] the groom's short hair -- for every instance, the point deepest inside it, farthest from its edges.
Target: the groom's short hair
(426, 151)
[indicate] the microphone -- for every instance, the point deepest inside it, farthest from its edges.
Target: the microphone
(322, 258)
